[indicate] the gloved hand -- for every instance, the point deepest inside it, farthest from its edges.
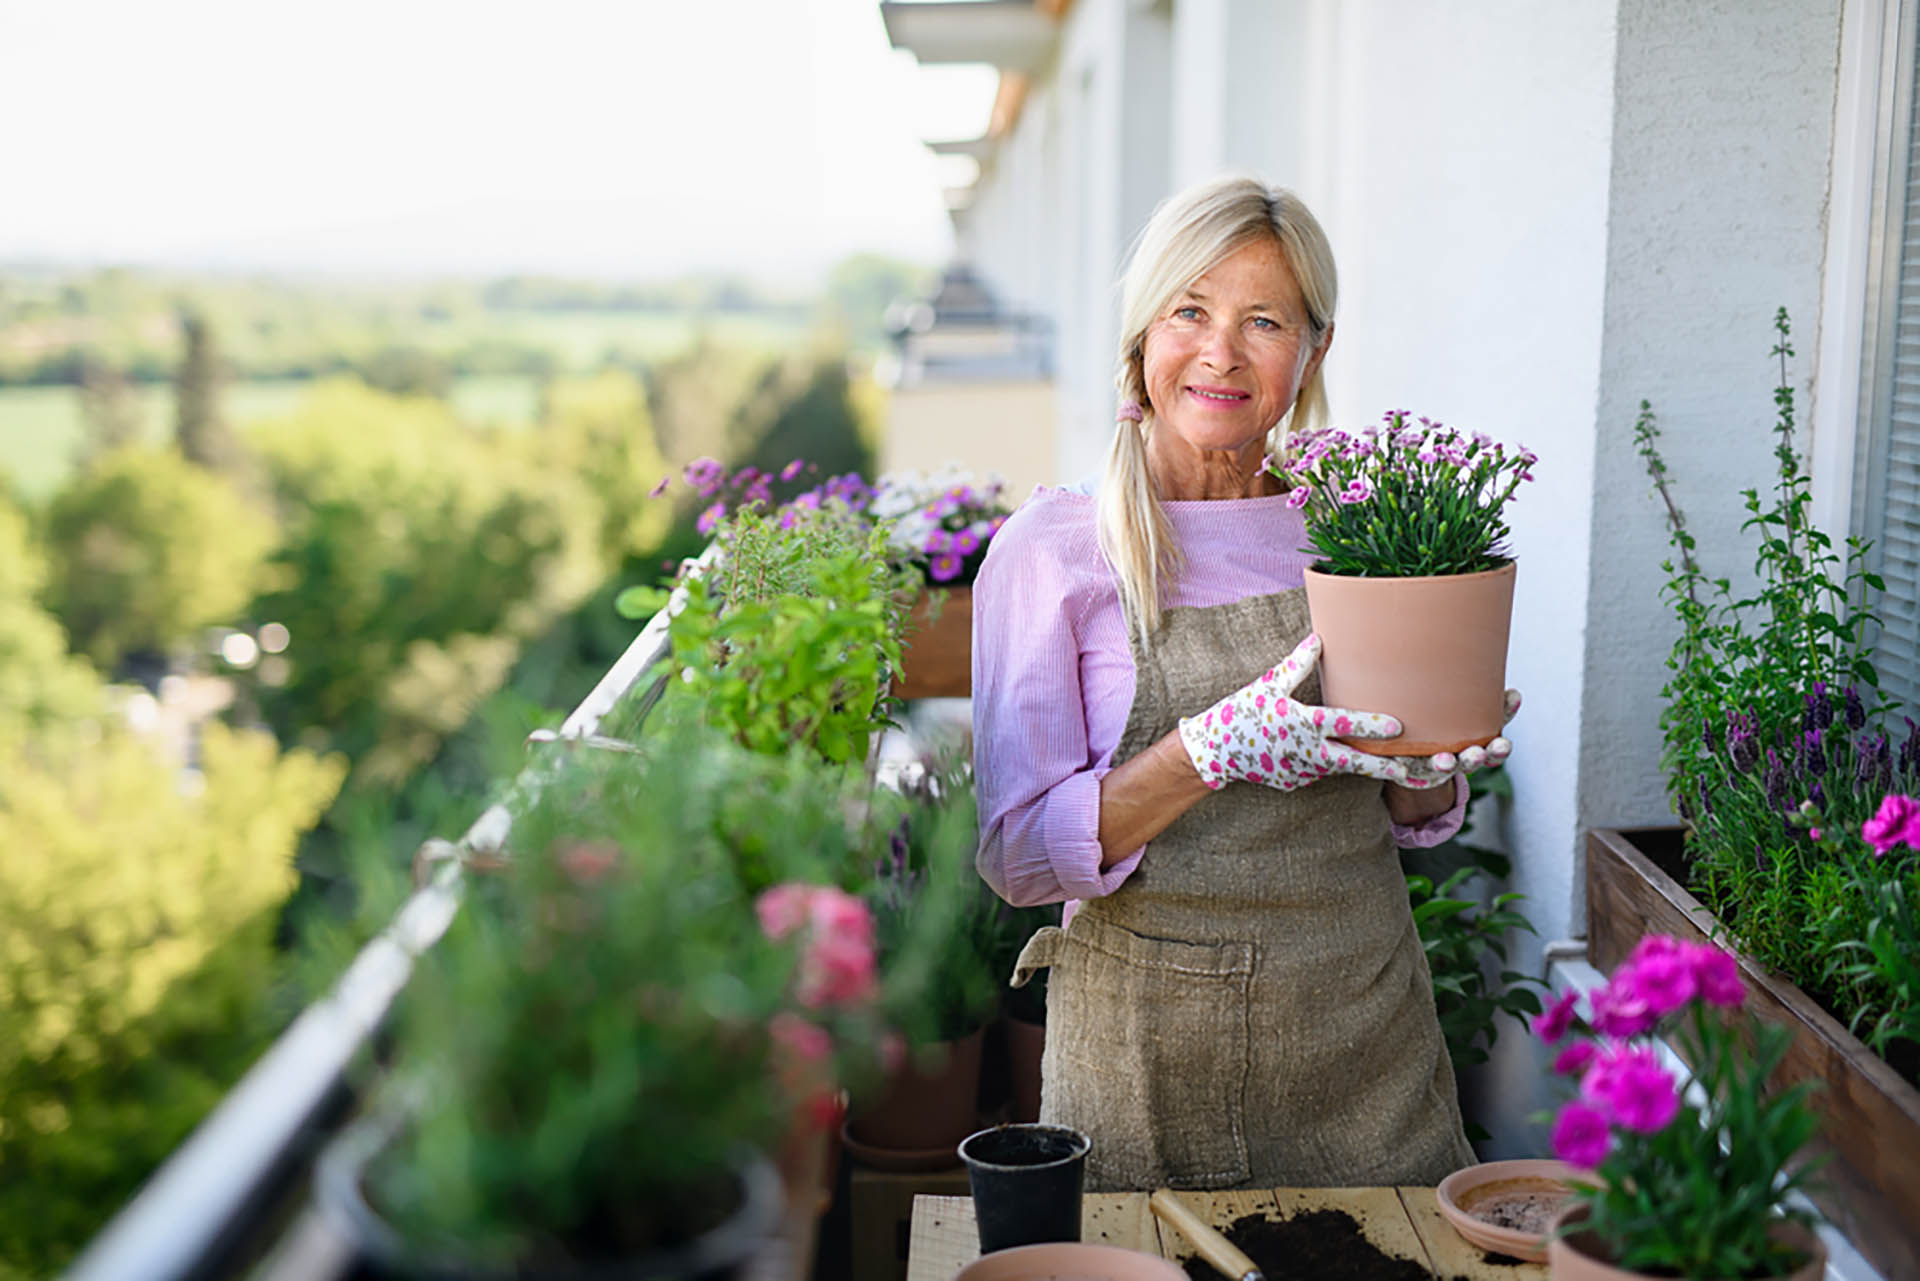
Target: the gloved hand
(1442, 766)
(1261, 734)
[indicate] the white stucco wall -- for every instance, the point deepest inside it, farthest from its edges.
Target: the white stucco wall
(1722, 141)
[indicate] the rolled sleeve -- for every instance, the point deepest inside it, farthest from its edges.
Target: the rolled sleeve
(1441, 827)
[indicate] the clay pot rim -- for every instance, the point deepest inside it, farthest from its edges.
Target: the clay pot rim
(1509, 568)
(1074, 1258)
(1564, 1237)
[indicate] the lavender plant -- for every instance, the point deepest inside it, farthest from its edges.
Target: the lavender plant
(1404, 499)
(1772, 711)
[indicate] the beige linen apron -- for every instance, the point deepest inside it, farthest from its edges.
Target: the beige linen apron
(1252, 1007)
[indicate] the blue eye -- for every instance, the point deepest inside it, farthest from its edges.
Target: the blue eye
(1265, 322)
(1187, 313)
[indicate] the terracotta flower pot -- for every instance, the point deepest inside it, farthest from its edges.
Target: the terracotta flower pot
(1578, 1256)
(938, 657)
(1430, 651)
(922, 1112)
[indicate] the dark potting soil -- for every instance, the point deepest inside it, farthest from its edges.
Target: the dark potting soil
(1320, 1245)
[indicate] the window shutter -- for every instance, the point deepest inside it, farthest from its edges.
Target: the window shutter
(1890, 508)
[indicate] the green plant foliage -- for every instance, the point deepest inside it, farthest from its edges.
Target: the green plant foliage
(792, 637)
(1771, 704)
(136, 958)
(40, 684)
(942, 934)
(146, 549)
(601, 430)
(1466, 942)
(592, 1037)
(416, 557)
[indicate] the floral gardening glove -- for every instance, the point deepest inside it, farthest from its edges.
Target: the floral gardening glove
(1442, 766)
(1260, 734)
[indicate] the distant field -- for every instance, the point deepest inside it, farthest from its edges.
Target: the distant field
(40, 427)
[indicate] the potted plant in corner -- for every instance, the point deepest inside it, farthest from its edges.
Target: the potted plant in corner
(1413, 574)
(593, 1062)
(1778, 755)
(940, 524)
(934, 924)
(1689, 1182)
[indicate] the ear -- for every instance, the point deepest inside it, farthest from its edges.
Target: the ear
(1319, 354)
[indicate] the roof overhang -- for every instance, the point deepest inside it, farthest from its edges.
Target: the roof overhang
(1012, 35)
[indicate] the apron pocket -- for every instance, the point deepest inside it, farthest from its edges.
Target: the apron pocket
(1148, 1052)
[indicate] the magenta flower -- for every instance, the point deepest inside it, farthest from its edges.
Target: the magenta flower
(807, 1042)
(1575, 1058)
(1619, 1008)
(1896, 822)
(1552, 1023)
(783, 909)
(944, 568)
(792, 469)
(1632, 1087)
(1581, 1136)
(1357, 491)
(660, 488)
(711, 517)
(705, 475)
(1662, 972)
(1717, 975)
(1298, 497)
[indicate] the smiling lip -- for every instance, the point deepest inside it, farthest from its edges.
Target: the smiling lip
(1224, 397)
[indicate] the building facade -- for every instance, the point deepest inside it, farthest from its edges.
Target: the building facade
(1542, 214)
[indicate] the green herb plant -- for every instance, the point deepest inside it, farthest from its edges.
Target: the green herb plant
(1772, 706)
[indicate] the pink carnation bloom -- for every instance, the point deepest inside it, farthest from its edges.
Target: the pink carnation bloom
(1717, 975)
(1580, 1136)
(1574, 1059)
(1665, 980)
(1551, 1023)
(1632, 1087)
(1896, 822)
(835, 971)
(783, 909)
(1620, 1008)
(807, 1042)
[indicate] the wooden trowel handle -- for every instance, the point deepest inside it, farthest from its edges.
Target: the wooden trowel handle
(1207, 1243)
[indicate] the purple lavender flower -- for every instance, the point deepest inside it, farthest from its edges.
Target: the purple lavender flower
(1760, 860)
(1856, 711)
(1817, 797)
(1776, 782)
(1706, 802)
(1819, 713)
(1813, 754)
(1743, 744)
(1709, 739)
(1882, 764)
(1864, 755)
(1910, 749)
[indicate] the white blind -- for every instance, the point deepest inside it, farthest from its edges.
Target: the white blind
(1891, 508)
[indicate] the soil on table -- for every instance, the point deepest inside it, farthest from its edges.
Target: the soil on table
(1319, 1245)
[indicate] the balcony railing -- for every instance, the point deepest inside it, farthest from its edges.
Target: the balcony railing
(233, 1198)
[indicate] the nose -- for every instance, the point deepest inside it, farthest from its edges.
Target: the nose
(1221, 350)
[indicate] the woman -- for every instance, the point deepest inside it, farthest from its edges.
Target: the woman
(1239, 996)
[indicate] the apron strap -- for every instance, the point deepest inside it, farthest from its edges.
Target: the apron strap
(1041, 951)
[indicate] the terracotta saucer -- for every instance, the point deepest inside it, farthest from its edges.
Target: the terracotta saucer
(899, 1160)
(1076, 1260)
(1516, 1191)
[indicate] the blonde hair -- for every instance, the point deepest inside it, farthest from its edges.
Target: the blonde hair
(1188, 235)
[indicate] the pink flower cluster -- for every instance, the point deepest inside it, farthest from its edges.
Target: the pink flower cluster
(1897, 822)
(1621, 1084)
(837, 964)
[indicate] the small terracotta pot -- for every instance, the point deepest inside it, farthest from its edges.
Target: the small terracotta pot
(923, 1112)
(1430, 651)
(1578, 1256)
(937, 655)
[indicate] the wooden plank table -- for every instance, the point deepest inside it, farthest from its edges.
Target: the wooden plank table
(1401, 1221)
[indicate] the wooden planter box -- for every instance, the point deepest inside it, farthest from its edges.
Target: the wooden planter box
(1869, 1114)
(938, 658)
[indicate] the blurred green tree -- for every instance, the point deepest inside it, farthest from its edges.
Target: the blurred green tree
(200, 427)
(146, 549)
(861, 287)
(136, 958)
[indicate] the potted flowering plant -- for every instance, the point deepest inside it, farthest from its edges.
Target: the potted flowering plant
(666, 981)
(940, 524)
(1408, 521)
(1691, 1183)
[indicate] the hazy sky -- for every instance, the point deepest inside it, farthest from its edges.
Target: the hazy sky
(602, 137)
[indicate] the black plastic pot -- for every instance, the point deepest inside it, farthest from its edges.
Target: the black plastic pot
(1026, 1182)
(721, 1253)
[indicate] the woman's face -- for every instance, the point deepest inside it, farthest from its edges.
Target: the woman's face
(1224, 363)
